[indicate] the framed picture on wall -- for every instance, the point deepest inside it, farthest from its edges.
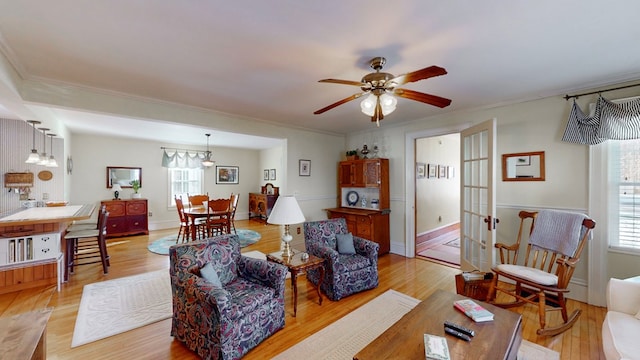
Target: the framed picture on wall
(272, 174)
(227, 174)
(266, 174)
(304, 167)
(421, 170)
(442, 171)
(450, 172)
(432, 170)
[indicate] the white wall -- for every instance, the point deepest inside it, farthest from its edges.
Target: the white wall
(438, 199)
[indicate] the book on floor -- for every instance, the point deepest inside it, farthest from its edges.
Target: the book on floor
(436, 348)
(473, 310)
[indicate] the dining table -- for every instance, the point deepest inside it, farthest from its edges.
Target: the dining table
(198, 212)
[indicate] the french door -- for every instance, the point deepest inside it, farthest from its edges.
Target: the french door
(477, 197)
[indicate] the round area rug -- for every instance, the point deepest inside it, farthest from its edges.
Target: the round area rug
(162, 245)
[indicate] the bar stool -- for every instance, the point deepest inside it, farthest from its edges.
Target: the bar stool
(87, 244)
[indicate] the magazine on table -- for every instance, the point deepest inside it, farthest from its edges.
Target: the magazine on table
(473, 310)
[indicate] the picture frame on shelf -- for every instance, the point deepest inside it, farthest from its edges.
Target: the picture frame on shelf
(304, 167)
(227, 175)
(421, 170)
(272, 174)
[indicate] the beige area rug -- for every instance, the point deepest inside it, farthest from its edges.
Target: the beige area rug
(111, 307)
(350, 334)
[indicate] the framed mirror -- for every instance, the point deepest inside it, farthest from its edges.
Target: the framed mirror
(123, 175)
(527, 166)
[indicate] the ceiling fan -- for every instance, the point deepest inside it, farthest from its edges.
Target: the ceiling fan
(381, 87)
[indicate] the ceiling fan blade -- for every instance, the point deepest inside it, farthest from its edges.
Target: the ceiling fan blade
(421, 74)
(344, 82)
(422, 97)
(338, 103)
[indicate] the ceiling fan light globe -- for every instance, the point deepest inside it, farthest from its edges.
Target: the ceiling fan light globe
(368, 105)
(388, 103)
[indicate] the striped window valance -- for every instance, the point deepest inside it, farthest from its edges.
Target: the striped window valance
(184, 161)
(610, 121)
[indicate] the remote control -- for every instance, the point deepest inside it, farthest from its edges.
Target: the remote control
(460, 328)
(457, 334)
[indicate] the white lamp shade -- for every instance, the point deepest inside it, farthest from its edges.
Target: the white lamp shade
(286, 212)
(116, 187)
(387, 103)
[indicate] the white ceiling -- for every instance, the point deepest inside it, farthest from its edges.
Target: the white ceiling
(262, 59)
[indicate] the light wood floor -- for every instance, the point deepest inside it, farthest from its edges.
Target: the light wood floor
(129, 256)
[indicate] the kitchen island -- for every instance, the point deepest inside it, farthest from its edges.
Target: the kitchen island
(31, 243)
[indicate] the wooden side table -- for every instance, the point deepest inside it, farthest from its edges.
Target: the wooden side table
(296, 267)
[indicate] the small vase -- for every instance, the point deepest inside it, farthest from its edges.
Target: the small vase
(136, 196)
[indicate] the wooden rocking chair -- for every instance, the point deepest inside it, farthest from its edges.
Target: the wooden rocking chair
(553, 251)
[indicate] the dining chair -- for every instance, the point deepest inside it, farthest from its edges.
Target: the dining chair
(184, 221)
(232, 216)
(197, 200)
(218, 217)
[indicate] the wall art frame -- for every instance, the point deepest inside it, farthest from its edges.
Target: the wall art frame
(227, 175)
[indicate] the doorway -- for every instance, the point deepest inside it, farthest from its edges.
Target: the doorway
(437, 198)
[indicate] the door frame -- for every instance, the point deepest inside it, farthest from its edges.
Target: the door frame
(410, 179)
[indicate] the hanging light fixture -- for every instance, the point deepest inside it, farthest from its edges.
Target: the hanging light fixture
(52, 161)
(34, 157)
(207, 155)
(44, 158)
(387, 102)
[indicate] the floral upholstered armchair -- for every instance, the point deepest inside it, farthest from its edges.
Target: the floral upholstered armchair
(348, 269)
(224, 304)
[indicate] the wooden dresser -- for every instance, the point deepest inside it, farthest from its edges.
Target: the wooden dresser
(260, 204)
(126, 217)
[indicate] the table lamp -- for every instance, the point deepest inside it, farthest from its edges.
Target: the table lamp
(286, 212)
(116, 191)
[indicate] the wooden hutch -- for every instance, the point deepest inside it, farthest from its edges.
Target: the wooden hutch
(260, 205)
(364, 199)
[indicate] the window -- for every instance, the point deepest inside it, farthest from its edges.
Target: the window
(624, 194)
(183, 182)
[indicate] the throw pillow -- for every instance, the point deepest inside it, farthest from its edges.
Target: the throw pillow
(210, 274)
(638, 315)
(345, 243)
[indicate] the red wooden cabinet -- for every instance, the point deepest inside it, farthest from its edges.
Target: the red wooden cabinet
(127, 217)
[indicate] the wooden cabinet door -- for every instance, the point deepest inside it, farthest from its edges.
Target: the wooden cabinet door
(115, 208)
(116, 225)
(358, 173)
(363, 227)
(135, 207)
(345, 173)
(371, 174)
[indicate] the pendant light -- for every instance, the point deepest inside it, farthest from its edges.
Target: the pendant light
(52, 161)
(207, 162)
(34, 157)
(44, 159)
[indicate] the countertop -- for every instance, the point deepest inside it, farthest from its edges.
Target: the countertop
(46, 215)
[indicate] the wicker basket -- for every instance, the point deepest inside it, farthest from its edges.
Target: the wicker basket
(475, 289)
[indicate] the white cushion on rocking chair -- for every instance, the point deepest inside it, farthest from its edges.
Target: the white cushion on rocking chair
(531, 274)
